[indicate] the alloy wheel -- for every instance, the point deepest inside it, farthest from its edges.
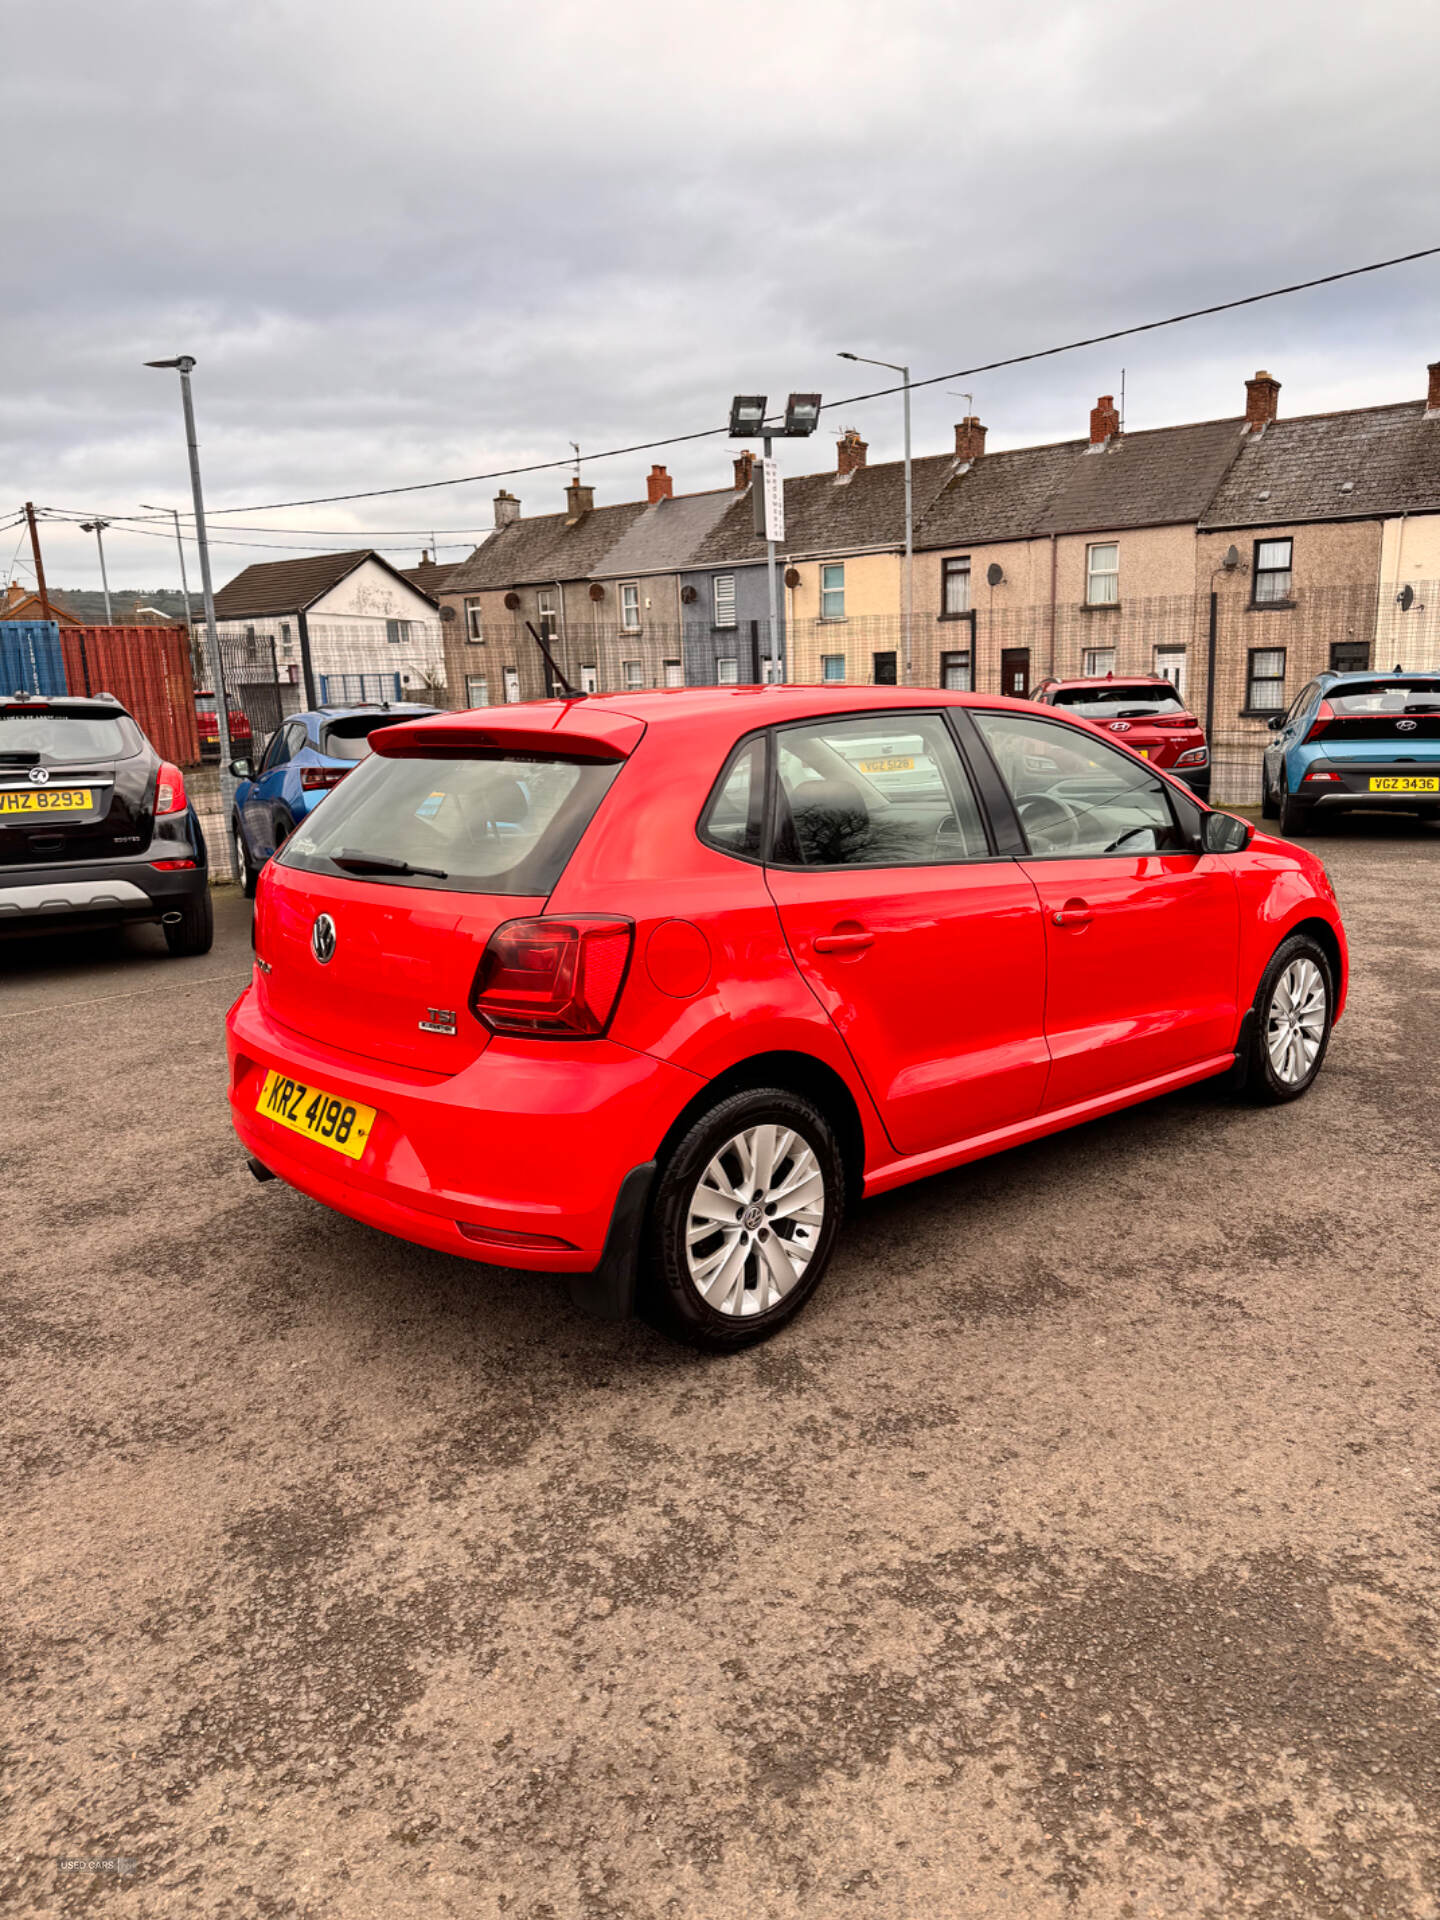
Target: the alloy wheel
(1295, 1023)
(754, 1220)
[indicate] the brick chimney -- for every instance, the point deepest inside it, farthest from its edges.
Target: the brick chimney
(578, 499)
(659, 485)
(1432, 404)
(850, 456)
(1104, 420)
(507, 508)
(744, 470)
(969, 439)
(1262, 401)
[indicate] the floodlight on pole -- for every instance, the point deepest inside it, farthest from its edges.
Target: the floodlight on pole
(747, 422)
(747, 416)
(908, 582)
(184, 365)
(802, 415)
(97, 527)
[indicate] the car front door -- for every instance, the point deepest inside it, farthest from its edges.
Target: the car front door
(1289, 733)
(266, 791)
(923, 945)
(1141, 928)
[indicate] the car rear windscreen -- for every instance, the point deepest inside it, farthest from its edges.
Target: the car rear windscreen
(349, 739)
(493, 824)
(1109, 702)
(1386, 696)
(55, 739)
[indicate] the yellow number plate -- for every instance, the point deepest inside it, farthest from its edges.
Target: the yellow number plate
(898, 763)
(47, 800)
(341, 1124)
(1404, 783)
(1144, 752)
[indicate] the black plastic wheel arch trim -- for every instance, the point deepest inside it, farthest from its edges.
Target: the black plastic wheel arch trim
(609, 1291)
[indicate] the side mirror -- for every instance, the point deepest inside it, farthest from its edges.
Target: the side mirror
(1226, 833)
(242, 769)
(1275, 722)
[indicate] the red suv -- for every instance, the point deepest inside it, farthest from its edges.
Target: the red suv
(1149, 715)
(649, 987)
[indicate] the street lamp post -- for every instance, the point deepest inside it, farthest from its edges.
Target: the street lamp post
(907, 587)
(97, 527)
(174, 513)
(183, 365)
(748, 422)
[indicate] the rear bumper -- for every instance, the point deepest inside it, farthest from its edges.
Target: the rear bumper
(95, 893)
(1351, 788)
(526, 1140)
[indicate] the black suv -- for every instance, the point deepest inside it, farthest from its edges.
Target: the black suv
(95, 828)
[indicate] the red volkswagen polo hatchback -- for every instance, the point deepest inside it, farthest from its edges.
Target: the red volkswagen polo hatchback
(645, 988)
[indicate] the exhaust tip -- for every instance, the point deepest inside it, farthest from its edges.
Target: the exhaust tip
(258, 1167)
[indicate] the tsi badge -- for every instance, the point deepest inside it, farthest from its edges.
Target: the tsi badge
(440, 1021)
(322, 939)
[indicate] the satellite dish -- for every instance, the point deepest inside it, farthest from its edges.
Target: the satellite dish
(1231, 560)
(995, 573)
(1405, 598)
(447, 613)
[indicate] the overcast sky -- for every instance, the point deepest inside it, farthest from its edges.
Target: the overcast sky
(407, 242)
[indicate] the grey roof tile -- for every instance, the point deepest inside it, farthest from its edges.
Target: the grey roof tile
(1368, 462)
(287, 586)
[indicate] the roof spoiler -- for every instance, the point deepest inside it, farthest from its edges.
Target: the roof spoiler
(571, 733)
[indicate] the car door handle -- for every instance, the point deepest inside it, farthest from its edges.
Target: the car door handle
(842, 942)
(1074, 913)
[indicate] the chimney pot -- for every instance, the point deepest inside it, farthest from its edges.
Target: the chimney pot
(1104, 420)
(969, 439)
(659, 485)
(507, 508)
(1432, 403)
(851, 452)
(578, 499)
(744, 470)
(1262, 401)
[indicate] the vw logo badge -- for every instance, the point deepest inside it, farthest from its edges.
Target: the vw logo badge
(1406, 726)
(322, 939)
(40, 775)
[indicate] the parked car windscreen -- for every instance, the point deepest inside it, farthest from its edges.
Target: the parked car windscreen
(349, 739)
(501, 823)
(1386, 696)
(1110, 701)
(53, 739)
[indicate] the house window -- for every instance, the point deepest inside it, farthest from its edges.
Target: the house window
(284, 633)
(955, 586)
(549, 618)
(1170, 665)
(473, 628)
(832, 593)
(589, 679)
(1272, 572)
(724, 591)
(955, 672)
(398, 631)
(832, 666)
(1349, 656)
(477, 694)
(1096, 662)
(630, 607)
(1102, 574)
(633, 673)
(1265, 681)
(727, 673)
(674, 673)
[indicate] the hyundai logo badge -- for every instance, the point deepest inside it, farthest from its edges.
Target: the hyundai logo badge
(40, 775)
(1406, 726)
(1119, 726)
(322, 939)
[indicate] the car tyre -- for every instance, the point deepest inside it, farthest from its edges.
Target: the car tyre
(248, 875)
(1295, 818)
(1288, 1032)
(284, 827)
(771, 1156)
(194, 932)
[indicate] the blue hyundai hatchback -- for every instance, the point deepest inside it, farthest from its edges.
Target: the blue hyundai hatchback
(305, 758)
(1353, 740)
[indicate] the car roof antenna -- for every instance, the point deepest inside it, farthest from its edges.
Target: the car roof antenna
(571, 693)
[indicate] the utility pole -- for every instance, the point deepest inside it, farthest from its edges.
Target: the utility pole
(97, 527)
(45, 613)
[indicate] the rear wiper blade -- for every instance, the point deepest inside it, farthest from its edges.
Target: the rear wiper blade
(382, 863)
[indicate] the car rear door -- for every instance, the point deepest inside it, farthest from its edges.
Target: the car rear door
(923, 945)
(1141, 929)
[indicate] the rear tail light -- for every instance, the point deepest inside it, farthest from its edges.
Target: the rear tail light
(170, 866)
(169, 789)
(1324, 714)
(555, 979)
(322, 778)
(1174, 720)
(1196, 757)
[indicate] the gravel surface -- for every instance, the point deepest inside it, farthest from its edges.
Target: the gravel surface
(1075, 1554)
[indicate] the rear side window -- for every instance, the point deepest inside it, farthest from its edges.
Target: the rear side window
(735, 818)
(493, 824)
(53, 739)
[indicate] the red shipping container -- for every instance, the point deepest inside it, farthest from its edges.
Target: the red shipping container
(148, 671)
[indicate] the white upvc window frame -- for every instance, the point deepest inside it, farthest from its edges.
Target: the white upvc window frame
(472, 681)
(1091, 660)
(1102, 583)
(832, 597)
(629, 595)
(632, 675)
(474, 620)
(832, 669)
(722, 600)
(727, 671)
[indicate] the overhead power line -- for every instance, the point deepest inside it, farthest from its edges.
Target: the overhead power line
(876, 393)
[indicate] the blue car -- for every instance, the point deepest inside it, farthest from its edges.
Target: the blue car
(1354, 740)
(305, 758)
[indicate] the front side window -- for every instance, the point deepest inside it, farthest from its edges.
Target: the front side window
(633, 674)
(735, 816)
(477, 691)
(1075, 795)
(875, 791)
(955, 671)
(832, 666)
(278, 751)
(1265, 681)
(630, 607)
(1102, 574)
(1273, 575)
(727, 673)
(832, 591)
(1097, 662)
(955, 585)
(724, 592)
(474, 628)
